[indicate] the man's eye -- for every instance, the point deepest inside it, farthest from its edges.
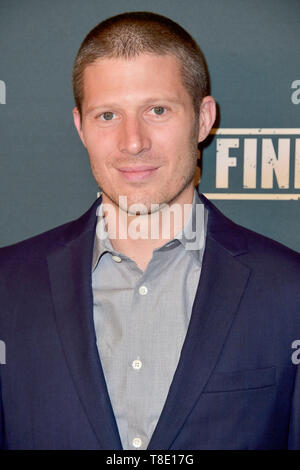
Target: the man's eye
(158, 110)
(107, 116)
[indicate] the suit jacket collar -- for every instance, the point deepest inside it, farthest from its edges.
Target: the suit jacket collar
(224, 231)
(222, 283)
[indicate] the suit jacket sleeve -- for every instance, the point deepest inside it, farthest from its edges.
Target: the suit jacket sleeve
(1, 421)
(294, 429)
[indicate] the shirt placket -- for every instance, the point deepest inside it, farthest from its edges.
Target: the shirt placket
(137, 365)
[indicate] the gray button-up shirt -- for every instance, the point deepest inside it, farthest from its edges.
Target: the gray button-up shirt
(141, 320)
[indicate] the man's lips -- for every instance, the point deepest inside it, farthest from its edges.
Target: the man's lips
(137, 173)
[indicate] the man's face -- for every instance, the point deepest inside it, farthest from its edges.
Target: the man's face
(139, 128)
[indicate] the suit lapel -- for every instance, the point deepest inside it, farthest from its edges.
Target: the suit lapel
(70, 279)
(221, 286)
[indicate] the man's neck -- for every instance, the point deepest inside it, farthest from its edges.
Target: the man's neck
(136, 236)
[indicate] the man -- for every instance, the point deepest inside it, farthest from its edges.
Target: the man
(173, 339)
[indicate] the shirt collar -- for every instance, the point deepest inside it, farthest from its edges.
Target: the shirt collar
(191, 237)
(101, 243)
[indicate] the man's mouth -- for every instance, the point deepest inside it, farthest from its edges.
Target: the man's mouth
(137, 173)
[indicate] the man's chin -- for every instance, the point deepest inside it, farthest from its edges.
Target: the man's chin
(140, 204)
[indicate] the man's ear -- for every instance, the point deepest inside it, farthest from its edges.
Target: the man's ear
(77, 122)
(207, 117)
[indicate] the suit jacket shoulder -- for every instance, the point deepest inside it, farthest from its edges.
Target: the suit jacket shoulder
(47, 241)
(256, 249)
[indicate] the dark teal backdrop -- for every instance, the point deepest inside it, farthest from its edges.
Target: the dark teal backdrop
(252, 51)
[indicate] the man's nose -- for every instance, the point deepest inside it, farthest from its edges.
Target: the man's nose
(134, 137)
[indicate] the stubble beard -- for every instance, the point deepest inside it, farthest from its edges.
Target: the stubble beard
(149, 204)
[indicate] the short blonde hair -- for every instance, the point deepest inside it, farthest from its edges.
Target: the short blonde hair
(131, 34)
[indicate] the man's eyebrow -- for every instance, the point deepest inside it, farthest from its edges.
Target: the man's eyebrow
(101, 106)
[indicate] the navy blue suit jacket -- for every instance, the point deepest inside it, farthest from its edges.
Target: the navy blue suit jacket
(235, 386)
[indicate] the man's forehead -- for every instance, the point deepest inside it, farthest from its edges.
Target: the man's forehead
(144, 76)
(107, 62)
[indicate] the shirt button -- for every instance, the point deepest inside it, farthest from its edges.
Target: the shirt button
(116, 258)
(143, 290)
(137, 364)
(137, 442)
